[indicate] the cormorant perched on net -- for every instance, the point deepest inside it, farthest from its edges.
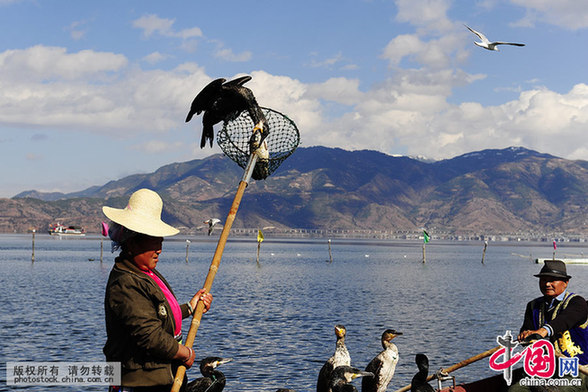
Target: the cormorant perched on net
(383, 365)
(222, 101)
(339, 358)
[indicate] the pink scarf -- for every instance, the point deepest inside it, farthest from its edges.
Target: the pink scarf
(171, 299)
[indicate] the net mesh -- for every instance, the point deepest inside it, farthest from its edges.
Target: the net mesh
(282, 140)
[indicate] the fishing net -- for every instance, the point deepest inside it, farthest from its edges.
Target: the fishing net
(282, 140)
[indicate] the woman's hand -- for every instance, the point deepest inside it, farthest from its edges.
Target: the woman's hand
(203, 296)
(186, 355)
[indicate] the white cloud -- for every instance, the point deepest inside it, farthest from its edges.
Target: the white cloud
(568, 14)
(75, 30)
(429, 15)
(327, 63)
(155, 57)
(151, 24)
(229, 55)
(47, 62)
(340, 90)
(80, 97)
(407, 112)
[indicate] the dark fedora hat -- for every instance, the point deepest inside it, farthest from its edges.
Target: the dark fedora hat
(554, 269)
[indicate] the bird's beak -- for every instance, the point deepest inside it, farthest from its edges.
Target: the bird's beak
(258, 127)
(361, 374)
(223, 361)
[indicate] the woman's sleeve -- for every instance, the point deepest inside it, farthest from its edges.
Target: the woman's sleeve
(185, 310)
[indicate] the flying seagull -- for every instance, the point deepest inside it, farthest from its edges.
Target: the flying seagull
(211, 222)
(224, 101)
(486, 44)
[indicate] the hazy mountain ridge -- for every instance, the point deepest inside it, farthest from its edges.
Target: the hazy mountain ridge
(513, 189)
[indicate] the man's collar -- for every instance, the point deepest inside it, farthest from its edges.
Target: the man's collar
(559, 298)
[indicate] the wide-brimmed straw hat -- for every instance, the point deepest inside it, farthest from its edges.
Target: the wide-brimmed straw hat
(554, 269)
(142, 214)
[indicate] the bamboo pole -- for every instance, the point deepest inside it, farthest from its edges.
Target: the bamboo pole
(181, 372)
(458, 365)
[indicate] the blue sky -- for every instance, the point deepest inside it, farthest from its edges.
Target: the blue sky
(92, 91)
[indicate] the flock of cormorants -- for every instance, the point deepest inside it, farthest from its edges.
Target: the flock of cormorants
(337, 373)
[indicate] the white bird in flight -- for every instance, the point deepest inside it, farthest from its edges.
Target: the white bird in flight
(486, 44)
(211, 222)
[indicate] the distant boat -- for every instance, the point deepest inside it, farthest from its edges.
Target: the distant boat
(61, 230)
(567, 261)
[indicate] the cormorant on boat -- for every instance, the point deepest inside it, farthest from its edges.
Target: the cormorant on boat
(419, 381)
(339, 358)
(342, 376)
(383, 365)
(213, 380)
(222, 101)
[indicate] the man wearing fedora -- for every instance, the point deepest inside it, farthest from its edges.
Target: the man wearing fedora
(558, 315)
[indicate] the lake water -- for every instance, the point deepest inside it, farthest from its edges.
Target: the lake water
(276, 320)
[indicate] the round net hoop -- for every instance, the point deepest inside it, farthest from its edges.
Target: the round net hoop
(282, 140)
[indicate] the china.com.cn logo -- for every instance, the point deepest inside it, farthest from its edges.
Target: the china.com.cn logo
(539, 359)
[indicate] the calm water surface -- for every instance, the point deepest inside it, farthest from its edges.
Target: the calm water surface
(276, 321)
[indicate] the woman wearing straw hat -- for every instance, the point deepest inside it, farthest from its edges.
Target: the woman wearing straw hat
(143, 316)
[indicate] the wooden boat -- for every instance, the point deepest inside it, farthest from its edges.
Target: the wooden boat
(61, 230)
(491, 384)
(567, 261)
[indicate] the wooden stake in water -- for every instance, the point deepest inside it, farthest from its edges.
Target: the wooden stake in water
(101, 248)
(259, 241)
(484, 251)
(187, 247)
(33, 255)
(426, 239)
(330, 256)
(424, 254)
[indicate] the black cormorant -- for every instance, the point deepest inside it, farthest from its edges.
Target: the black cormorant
(383, 365)
(213, 380)
(342, 376)
(222, 101)
(339, 358)
(419, 381)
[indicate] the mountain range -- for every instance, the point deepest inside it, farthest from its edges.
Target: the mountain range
(490, 191)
